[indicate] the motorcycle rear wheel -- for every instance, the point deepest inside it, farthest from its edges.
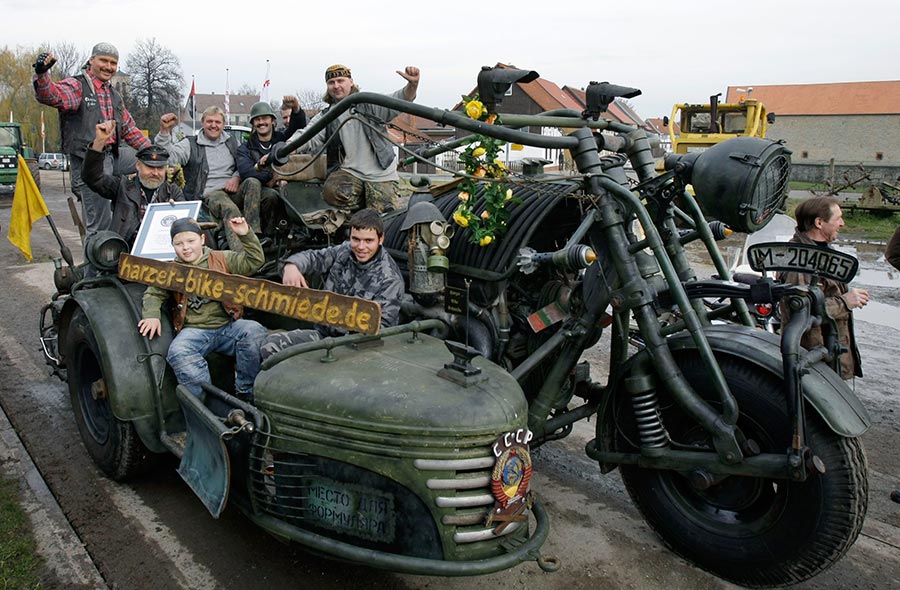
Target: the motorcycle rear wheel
(754, 531)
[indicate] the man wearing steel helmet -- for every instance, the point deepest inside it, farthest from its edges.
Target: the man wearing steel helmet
(362, 166)
(253, 154)
(83, 101)
(129, 196)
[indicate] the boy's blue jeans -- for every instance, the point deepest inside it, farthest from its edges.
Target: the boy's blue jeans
(240, 339)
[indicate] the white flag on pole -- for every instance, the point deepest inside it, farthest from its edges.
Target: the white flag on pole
(264, 93)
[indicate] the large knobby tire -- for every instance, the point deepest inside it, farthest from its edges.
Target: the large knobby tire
(113, 444)
(754, 531)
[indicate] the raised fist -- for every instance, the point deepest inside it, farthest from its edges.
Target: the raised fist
(43, 63)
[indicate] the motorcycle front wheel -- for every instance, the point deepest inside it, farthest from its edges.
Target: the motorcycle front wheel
(753, 531)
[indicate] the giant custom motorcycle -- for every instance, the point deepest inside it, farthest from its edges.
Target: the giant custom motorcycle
(739, 448)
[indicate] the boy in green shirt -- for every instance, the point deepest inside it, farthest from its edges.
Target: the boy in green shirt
(204, 326)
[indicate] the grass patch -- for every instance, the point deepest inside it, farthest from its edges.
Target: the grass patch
(19, 562)
(862, 225)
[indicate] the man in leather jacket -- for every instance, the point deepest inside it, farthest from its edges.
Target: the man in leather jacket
(129, 196)
(819, 220)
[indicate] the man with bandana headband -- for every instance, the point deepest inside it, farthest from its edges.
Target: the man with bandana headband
(362, 165)
(129, 196)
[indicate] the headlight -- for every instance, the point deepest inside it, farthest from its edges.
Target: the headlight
(103, 249)
(742, 182)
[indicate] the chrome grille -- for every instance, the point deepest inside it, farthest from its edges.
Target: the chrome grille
(472, 501)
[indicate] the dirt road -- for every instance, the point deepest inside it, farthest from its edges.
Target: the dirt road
(153, 533)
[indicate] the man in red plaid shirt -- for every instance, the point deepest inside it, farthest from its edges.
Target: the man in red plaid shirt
(84, 101)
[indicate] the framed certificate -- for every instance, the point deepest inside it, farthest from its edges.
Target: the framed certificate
(153, 239)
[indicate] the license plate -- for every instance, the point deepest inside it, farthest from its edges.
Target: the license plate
(351, 509)
(805, 258)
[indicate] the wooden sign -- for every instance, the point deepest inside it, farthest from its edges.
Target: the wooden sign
(320, 307)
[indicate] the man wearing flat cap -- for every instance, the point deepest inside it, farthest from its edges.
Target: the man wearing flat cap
(129, 196)
(362, 165)
(83, 101)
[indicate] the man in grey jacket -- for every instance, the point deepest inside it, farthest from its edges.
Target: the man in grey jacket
(358, 268)
(362, 166)
(210, 171)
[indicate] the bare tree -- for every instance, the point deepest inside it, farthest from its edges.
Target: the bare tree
(69, 59)
(17, 96)
(247, 90)
(311, 100)
(156, 83)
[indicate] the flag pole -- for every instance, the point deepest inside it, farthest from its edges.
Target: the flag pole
(63, 249)
(193, 107)
(227, 99)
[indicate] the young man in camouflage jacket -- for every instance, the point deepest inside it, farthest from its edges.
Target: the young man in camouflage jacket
(358, 268)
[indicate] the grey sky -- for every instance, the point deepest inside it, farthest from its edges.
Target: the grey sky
(674, 52)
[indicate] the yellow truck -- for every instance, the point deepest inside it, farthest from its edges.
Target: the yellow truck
(705, 125)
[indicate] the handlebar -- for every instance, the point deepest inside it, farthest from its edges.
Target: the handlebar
(564, 118)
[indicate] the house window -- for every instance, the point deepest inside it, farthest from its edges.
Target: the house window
(804, 154)
(879, 155)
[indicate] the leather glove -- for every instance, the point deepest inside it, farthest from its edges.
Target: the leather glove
(40, 67)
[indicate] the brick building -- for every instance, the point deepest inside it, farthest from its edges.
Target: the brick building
(833, 128)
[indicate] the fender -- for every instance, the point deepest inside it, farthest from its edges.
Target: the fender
(823, 389)
(134, 367)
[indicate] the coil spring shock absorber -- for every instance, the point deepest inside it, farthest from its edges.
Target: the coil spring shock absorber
(642, 390)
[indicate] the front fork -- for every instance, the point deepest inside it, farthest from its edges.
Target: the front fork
(801, 459)
(637, 296)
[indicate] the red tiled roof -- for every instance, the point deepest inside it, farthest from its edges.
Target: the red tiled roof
(839, 98)
(549, 96)
(658, 126)
(422, 127)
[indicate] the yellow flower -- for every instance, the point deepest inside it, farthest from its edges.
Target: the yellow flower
(491, 118)
(478, 152)
(463, 196)
(499, 164)
(474, 109)
(485, 240)
(480, 172)
(485, 214)
(508, 194)
(460, 219)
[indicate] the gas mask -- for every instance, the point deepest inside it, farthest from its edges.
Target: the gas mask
(428, 241)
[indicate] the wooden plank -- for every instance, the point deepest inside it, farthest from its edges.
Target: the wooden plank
(312, 305)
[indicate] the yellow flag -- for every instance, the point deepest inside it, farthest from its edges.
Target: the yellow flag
(28, 206)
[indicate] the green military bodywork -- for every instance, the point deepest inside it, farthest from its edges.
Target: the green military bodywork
(11, 145)
(141, 388)
(384, 408)
(822, 388)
